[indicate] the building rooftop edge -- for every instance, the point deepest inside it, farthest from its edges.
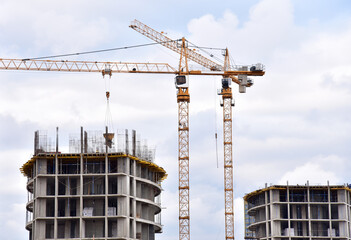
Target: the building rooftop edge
(26, 166)
(284, 187)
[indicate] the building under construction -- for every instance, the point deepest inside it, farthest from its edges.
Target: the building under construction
(101, 189)
(299, 212)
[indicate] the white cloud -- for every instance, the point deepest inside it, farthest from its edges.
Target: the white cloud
(228, 21)
(255, 40)
(13, 218)
(50, 27)
(239, 218)
(320, 170)
(11, 161)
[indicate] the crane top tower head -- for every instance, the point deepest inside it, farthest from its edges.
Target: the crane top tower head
(237, 74)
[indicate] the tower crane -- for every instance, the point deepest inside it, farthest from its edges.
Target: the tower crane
(239, 76)
(183, 99)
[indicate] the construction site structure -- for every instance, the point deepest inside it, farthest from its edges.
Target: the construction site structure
(237, 74)
(94, 192)
(285, 212)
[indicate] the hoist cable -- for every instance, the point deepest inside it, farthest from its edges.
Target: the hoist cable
(215, 113)
(108, 115)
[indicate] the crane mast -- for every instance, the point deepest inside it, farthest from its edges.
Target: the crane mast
(228, 162)
(227, 104)
(183, 100)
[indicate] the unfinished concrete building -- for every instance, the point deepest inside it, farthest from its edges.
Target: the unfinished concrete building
(94, 191)
(298, 212)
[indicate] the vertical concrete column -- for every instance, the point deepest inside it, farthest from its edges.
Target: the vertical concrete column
(270, 192)
(56, 194)
(347, 202)
(134, 195)
(127, 187)
(35, 215)
(56, 184)
(40, 202)
(329, 213)
(106, 193)
(309, 211)
(67, 229)
(39, 230)
(288, 206)
(81, 140)
(41, 181)
(34, 233)
(266, 211)
(80, 212)
(34, 200)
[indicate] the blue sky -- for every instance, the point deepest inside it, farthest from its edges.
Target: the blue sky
(292, 125)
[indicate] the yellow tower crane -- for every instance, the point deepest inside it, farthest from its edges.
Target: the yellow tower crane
(183, 99)
(238, 76)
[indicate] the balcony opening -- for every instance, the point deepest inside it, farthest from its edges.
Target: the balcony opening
(49, 229)
(112, 185)
(50, 207)
(94, 166)
(319, 211)
(334, 212)
(319, 195)
(93, 207)
(298, 195)
(112, 165)
(284, 211)
(333, 195)
(282, 195)
(94, 185)
(50, 186)
(112, 206)
(69, 166)
(113, 228)
(94, 228)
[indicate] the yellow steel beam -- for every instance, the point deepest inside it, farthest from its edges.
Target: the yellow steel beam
(29, 164)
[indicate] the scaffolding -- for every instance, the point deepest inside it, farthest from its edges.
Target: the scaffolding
(43, 143)
(95, 142)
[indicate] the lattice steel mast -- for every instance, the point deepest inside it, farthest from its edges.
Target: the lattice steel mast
(227, 98)
(183, 100)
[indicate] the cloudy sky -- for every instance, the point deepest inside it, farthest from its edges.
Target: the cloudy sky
(292, 125)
